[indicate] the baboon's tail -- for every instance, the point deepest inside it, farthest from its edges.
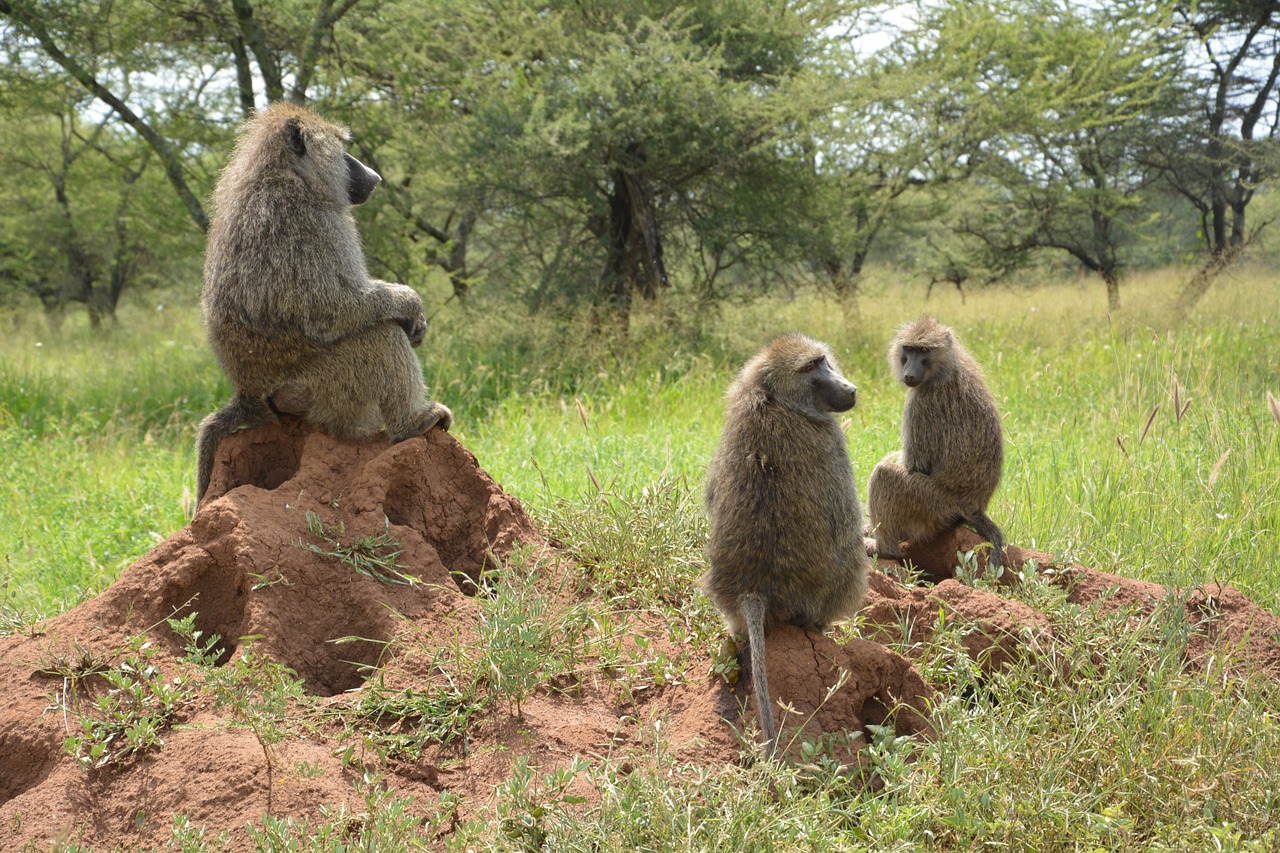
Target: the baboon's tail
(988, 530)
(239, 413)
(753, 611)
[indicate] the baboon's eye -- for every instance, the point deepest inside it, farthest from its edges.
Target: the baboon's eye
(813, 365)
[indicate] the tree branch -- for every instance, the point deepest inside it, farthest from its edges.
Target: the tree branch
(326, 17)
(256, 39)
(29, 21)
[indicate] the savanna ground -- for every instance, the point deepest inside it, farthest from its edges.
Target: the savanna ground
(1135, 445)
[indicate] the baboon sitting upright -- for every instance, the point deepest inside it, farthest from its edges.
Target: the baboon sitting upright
(952, 446)
(290, 310)
(786, 527)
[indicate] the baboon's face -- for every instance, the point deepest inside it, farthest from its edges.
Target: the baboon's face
(318, 149)
(831, 391)
(915, 365)
(361, 180)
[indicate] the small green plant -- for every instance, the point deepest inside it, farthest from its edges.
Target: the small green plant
(80, 663)
(198, 650)
(969, 572)
(185, 838)
(308, 770)
(128, 714)
(404, 722)
(382, 821)
(724, 664)
(517, 633)
(262, 581)
(525, 799)
(823, 757)
(259, 693)
(643, 540)
(529, 635)
(372, 555)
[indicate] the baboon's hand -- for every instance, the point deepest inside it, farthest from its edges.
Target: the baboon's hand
(446, 416)
(413, 320)
(415, 328)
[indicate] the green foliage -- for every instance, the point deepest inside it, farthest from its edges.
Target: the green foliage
(381, 821)
(185, 838)
(404, 722)
(1104, 742)
(648, 547)
(372, 555)
(89, 214)
(1064, 102)
(526, 638)
(526, 800)
(566, 153)
(123, 709)
(613, 136)
(257, 692)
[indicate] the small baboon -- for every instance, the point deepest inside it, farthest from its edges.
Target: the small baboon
(786, 526)
(291, 312)
(952, 446)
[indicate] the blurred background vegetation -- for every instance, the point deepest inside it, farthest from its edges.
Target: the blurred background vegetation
(568, 157)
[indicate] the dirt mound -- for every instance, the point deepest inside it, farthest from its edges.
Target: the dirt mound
(1222, 621)
(356, 566)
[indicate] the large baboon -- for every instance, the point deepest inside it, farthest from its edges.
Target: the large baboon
(290, 310)
(786, 527)
(952, 446)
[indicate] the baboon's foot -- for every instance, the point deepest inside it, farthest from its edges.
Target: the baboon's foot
(995, 558)
(869, 543)
(434, 415)
(292, 400)
(885, 550)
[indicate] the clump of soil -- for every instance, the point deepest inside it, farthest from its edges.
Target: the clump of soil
(300, 557)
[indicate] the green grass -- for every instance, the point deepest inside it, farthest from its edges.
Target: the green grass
(96, 431)
(1134, 445)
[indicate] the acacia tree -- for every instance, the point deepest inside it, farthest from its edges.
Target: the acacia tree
(1239, 50)
(164, 68)
(907, 132)
(39, 36)
(1228, 148)
(617, 147)
(1074, 96)
(87, 212)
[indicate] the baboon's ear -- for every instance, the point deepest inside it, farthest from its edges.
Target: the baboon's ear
(293, 136)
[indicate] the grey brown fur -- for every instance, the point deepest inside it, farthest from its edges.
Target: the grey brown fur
(786, 526)
(952, 446)
(290, 310)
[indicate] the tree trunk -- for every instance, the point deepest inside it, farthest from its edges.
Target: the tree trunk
(620, 261)
(634, 258)
(1238, 205)
(1195, 289)
(844, 284)
(456, 262)
(1111, 278)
